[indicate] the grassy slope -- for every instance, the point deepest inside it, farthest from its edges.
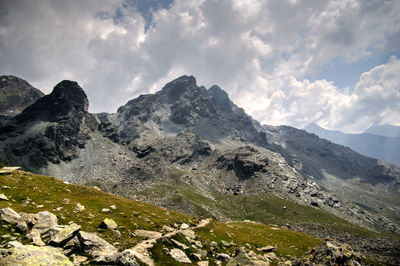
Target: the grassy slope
(264, 208)
(33, 193)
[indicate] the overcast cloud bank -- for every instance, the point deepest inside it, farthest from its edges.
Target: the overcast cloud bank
(260, 52)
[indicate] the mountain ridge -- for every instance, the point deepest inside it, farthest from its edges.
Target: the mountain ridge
(188, 135)
(386, 148)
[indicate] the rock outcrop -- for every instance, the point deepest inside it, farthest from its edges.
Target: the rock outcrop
(33, 255)
(51, 129)
(330, 253)
(15, 95)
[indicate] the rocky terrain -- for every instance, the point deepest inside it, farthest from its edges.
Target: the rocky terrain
(49, 222)
(192, 149)
(15, 95)
(105, 229)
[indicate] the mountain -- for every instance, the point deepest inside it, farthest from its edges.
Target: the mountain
(384, 130)
(386, 148)
(192, 149)
(15, 95)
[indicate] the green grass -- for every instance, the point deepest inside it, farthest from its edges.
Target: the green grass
(34, 193)
(263, 208)
(289, 243)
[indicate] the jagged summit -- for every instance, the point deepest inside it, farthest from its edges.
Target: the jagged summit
(16, 94)
(67, 97)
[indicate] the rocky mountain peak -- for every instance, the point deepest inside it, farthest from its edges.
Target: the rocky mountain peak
(15, 95)
(66, 97)
(220, 98)
(178, 87)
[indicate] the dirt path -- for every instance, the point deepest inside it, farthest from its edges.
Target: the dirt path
(141, 250)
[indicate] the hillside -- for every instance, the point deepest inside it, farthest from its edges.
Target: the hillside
(88, 207)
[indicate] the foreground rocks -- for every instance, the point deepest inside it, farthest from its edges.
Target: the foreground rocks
(52, 241)
(330, 253)
(33, 255)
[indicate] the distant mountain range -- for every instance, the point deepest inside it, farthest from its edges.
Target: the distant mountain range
(384, 130)
(380, 142)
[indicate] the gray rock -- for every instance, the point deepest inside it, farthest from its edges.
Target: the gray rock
(184, 226)
(29, 218)
(267, 249)
(46, 220)
(96, 247)
(64, 235)
(189, 233)
(22, 226)
(34, 235)
(73, 244)
(226, 244)
(179, 244)
(78, 260)
(3, 197)
(223, 257)
(214, 244)
(125, 258)
(79, 207)
(179, 256)
(108, 224)
(33, 255)
(241, 258)
(106, 210)
(8, 215)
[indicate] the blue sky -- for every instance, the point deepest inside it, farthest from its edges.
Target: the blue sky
(334, 63)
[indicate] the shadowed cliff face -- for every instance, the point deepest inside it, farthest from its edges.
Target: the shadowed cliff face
(67, 100)
(50, 129)
(15, 95)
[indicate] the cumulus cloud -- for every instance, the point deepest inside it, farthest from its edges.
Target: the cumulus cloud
(258, 51)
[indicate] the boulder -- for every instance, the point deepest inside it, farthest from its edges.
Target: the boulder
(78, 260)
(226, 243)
(8, 215)
(33, 255)
(241, 258)
(331, 253)
(29, 218)
(125, 258)
(184, 226)
(34, 235)
(3, 197)
(96, 247)
(64, 235)
(189, 233)
(46, 220)
(108, 224)
(179, 256)
(179, 244)
(223, 257)
(22, 226)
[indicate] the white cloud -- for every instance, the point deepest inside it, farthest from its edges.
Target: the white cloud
(258, 51)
